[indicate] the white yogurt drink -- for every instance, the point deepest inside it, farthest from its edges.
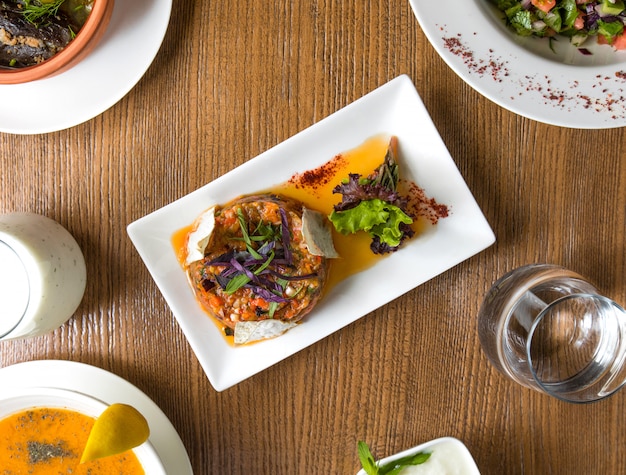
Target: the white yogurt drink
(42, 275)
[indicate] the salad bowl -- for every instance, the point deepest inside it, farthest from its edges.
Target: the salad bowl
(550, 81)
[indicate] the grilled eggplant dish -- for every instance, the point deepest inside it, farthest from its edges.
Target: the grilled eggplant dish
(32, 31)
(260, 258)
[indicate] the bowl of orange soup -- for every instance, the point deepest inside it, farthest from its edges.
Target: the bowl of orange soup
(44, 430)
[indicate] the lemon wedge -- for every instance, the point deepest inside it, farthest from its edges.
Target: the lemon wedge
(119, 428)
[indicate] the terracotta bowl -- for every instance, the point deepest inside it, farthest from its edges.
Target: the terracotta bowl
(84, 42)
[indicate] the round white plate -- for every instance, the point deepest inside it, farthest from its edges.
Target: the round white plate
(107, 387)
(131, 42)
(551, 82)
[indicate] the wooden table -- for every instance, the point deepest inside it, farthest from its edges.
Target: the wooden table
(233, 79)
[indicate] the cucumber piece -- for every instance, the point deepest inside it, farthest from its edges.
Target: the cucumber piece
(609, 7)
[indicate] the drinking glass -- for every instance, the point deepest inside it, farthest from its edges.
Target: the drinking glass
(42, 275)
(548, 328)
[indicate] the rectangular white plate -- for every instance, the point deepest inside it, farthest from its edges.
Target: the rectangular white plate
(395, 109)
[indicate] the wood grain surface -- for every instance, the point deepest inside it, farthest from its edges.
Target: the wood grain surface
(233, 79)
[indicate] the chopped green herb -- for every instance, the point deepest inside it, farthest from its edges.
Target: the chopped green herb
(34, 11)
(236, 283)
(264, 233)
(394, 467)
(367, 460)
(240, 280)
(263, 264)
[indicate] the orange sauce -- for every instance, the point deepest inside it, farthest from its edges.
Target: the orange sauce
(51, 441)
(354, 250)
(179, 242)
(314, 188)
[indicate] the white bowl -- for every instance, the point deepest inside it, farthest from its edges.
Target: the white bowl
(26, 398)
(449, 456)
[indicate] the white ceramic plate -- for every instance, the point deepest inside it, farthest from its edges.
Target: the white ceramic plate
(15, 399)
(127, 49)
(394, 108)
(559, 86)
(107, 387)
(449, 455)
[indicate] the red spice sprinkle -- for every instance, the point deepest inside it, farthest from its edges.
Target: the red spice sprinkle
(421, 206)
(319, 176)
(496, 67)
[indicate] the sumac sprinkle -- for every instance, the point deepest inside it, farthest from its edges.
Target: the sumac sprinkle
(319, 176)
(420, 205)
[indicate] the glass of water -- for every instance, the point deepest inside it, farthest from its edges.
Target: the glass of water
(549, 329)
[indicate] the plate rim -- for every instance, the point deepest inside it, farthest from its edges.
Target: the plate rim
(102, 384)
(573, 102)
(82, 75)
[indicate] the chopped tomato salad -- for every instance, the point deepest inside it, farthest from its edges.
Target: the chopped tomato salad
(577, 20)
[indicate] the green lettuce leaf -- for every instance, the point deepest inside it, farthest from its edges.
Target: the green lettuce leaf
(377, 217)
(570, 12)
(610, 29)
(521, 20)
